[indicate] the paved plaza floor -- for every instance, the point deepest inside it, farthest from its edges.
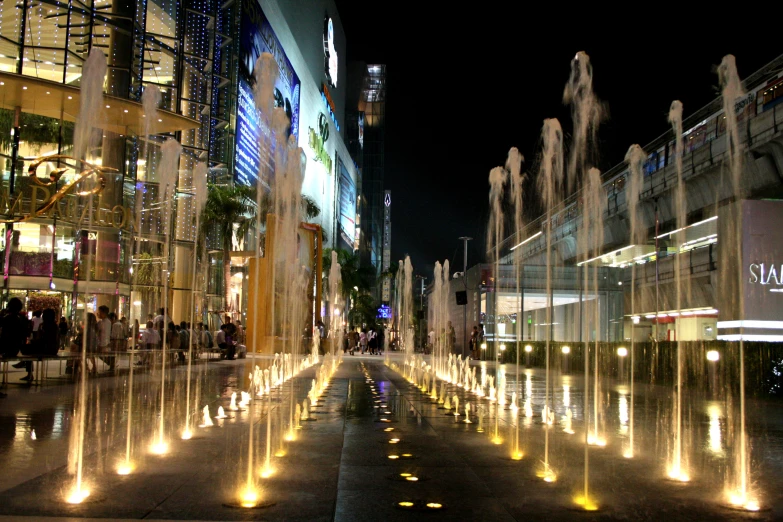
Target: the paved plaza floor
(376, 442)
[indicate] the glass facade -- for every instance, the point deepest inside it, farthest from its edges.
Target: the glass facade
(188, 50)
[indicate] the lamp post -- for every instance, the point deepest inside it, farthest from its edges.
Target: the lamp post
(465, 240)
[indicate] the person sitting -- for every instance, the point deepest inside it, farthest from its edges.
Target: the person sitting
(47, 342)
(13, 335)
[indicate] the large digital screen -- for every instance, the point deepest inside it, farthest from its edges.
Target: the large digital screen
(258, 37)
(347, 205)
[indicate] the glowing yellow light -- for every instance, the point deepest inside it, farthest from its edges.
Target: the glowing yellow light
(406, 504)
(187, 435)
(405, 475)
(407, 455)
(394, 441)
(125, 468)
(385, 420)
(159, 448)
(497, 440)
(586, 503)
(387, 413)
(528, 348)
(394, 457)
(248, 499)
(388, 429)
(622, 352)
(434, 505)
(483, 346)
(517, 456)
(412, 479)
(290, 436)
(77, 496)
(280, 453)
(547, 474)
(713, 355)
(267, 472)
(679, 475)
(566, 350)
(628, 454)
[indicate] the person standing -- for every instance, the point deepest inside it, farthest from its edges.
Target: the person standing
(63, 326)
(104, 335)
(47, 341)
(119, 339)
(473, 343)
(220, 340)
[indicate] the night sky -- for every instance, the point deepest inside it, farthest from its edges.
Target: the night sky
(466, 85)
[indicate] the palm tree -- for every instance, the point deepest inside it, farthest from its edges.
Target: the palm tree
(227, 207)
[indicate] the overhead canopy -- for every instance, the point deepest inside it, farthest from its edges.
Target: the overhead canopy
(55, 100)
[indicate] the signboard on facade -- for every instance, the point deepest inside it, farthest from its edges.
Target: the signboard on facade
(257, 37)
(347, 204)
(750, 285)
(386, 261)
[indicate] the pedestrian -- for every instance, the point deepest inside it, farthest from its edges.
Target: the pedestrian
(184, 340)
(104, 335)
(119, 339)
(63, 326)
(363, 340)
(372, 341)
(474, 343)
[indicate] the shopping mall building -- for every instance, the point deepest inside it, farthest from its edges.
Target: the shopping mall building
(729, 251)
(200, 54)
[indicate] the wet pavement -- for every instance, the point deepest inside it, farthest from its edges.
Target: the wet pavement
(346, 465)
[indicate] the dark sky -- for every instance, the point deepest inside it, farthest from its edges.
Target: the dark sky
(466, 85)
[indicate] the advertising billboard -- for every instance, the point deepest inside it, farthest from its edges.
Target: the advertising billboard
(347, 206)
(258, 37)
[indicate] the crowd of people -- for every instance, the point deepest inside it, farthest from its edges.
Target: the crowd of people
(41, 333)
(367, 341)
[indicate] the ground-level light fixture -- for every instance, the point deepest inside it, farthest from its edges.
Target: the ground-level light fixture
(528, 348)
(483, 346)
(713, 355)
(622, 352)
(566, 350)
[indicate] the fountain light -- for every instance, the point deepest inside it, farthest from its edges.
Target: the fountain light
(547, 474)
(280, 453)
(159, 448)
(290, 436)
(405, 475)
(566, 350)
(77, 495)
(628, 454)
(388, 429)
(405, 504)
(497, 440)
(248, 498)
(394, 441)
(586, 503)
(679, 475)
(187, 435)
(434, 505)
(267, 472)
(713, 355)
(517, 455)
(622, 352)
(528, 348)
(126, 468)
(412, 479)
(393, 457)
(407, 455)
(593, 440)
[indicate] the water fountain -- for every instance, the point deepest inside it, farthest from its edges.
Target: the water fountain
(93, 75)
(550, 181)
(635, 157)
